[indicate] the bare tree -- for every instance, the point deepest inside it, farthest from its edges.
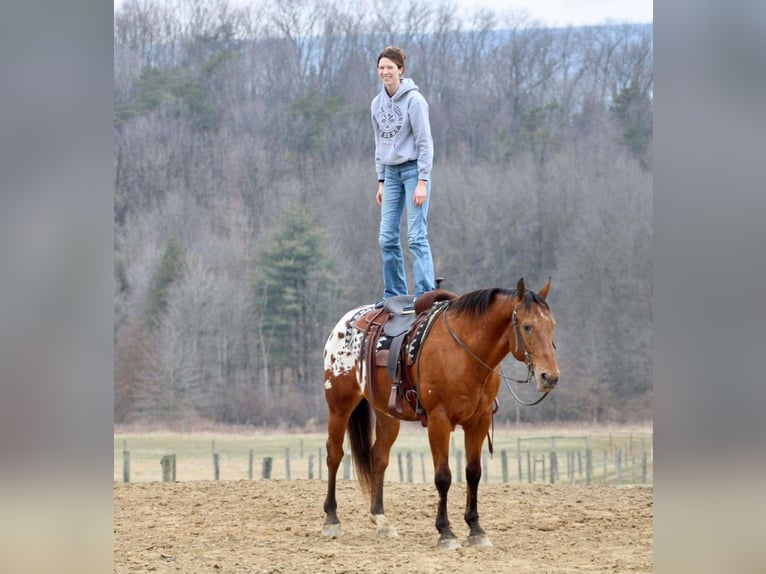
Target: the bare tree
(227, 115)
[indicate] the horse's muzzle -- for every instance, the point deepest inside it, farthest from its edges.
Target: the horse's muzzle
(547, 382)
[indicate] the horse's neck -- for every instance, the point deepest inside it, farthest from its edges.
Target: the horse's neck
(494, 337)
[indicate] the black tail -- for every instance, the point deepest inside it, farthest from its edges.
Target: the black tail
(360, 438)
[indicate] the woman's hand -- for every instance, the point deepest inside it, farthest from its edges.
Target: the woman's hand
(421, 193)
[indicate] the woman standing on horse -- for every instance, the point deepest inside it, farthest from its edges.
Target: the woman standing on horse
(403, 159)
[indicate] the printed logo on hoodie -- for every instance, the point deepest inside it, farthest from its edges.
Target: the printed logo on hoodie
(390, 120)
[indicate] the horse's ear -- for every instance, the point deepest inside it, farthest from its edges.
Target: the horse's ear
(520, 289)
(544, 291)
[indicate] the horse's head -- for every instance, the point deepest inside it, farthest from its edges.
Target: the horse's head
(533, 325)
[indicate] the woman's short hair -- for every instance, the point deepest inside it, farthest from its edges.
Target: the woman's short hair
(395, 54)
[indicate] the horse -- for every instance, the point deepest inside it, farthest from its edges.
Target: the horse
(456, 377)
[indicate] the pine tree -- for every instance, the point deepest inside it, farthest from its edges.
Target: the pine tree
(295, 290)
(167, 272)
(633, 111)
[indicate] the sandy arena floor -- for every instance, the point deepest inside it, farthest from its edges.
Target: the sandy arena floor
(275, 527)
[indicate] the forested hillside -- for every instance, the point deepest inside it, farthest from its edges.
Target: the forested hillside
(245, 214)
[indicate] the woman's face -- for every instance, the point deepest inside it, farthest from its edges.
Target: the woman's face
(389, 73)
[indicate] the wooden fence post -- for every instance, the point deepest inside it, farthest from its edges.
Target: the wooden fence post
(250, 465)
(554, 466)
(504, 464)
(125, 466)
(311, 466)
(168, 468)
(320, 462)
(423, 465)
(287, 463)
(618, 464)
(266, 467)
(216, 468)
(529, 467)
(401, 468)
(347, 467)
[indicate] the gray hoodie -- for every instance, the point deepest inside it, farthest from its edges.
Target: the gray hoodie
(402, 129)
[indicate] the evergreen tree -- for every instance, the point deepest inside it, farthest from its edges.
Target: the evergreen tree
(295, 290)
(633, 111)
(166, 273)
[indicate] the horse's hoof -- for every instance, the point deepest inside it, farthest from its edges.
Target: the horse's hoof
(389, 532)
(383, 529)
(479, 540)
(332, 530)
(451, 543)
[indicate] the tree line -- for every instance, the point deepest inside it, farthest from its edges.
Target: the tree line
(245, 214)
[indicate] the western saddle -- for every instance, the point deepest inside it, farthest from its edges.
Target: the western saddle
(393, 339)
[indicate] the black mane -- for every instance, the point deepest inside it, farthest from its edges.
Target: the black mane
(477, 302)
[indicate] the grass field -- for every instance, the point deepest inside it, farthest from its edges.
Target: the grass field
(623, 455)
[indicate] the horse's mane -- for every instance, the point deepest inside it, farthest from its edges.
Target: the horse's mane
(477, 302)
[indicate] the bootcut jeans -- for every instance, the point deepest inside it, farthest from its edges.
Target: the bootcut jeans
(398, 193)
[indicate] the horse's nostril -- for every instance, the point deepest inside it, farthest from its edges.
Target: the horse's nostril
(548, 380)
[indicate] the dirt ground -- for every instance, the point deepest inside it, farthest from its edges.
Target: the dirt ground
(275, 527)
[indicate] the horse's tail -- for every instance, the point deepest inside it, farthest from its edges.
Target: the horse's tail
(360, 438)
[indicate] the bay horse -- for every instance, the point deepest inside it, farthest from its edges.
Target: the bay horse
(456, 377)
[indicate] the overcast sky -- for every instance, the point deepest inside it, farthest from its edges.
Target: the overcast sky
(552, 12)
(566, 12)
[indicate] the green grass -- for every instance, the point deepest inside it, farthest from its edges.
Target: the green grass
(194, 454)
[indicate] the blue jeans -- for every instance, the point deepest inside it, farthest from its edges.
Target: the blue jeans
(398, 193)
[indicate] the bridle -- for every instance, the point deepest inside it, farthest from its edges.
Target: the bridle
(519, 341)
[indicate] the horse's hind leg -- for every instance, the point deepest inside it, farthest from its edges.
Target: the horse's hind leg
(386, 431)
(474, 439)
(439, 430)
(336, 430)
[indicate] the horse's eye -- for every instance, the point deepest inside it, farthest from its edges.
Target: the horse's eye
(527, 328)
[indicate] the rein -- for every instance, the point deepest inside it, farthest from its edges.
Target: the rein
(527, 357)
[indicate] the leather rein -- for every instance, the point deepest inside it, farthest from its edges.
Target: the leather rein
(519, 341)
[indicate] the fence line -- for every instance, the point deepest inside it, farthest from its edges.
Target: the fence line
(625, 464)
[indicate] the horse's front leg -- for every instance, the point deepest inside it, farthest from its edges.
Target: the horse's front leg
(439, 430)
(474, 439)
(386, 431)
